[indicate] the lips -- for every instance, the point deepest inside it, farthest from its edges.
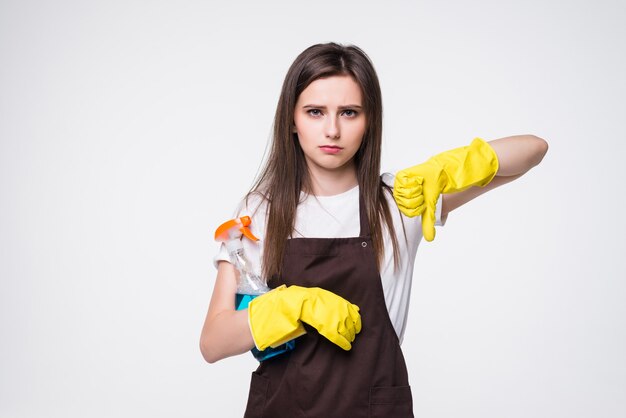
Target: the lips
(330, 149)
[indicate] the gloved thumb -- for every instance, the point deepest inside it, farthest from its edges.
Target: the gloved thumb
(428, 222)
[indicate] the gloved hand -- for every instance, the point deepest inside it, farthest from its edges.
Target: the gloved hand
(417, 189)
(275, 316)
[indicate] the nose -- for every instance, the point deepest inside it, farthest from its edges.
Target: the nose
(332, 128)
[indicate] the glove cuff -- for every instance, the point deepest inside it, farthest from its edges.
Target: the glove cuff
(488, 157)
(252, 330)
(269, 325)
(472, 165)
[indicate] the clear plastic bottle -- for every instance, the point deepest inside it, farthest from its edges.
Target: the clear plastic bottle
(249, 284)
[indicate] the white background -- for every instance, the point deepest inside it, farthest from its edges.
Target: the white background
(129, 130)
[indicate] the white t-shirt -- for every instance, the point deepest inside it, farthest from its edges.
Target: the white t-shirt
(338, 217)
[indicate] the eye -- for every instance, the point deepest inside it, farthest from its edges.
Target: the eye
(349, 112)
(314, 112)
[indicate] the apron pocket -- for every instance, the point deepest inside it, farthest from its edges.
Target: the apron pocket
(256, 396)
(391, 401)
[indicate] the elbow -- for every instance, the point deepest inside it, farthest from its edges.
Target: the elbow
(539, 150)
(209, 355)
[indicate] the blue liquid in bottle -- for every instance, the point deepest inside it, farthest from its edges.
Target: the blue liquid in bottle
(241, 302)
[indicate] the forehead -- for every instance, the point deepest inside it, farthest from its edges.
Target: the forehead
(337, 89)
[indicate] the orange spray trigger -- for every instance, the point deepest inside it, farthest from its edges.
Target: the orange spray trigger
(246, 221)
(246, 232)
(223, 232)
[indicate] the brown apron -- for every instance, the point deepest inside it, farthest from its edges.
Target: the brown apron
(318, 378)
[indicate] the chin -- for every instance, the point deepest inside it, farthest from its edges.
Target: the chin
(334, 167)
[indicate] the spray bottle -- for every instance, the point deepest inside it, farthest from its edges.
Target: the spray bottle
(249, 284)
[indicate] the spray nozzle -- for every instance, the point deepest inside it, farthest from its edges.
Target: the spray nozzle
(234, 229)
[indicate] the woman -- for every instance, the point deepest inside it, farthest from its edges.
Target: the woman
(338, 243)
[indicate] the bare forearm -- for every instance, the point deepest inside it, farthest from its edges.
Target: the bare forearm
(518, 154)
(227, 334)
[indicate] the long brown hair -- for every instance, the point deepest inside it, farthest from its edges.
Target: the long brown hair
(285, 172)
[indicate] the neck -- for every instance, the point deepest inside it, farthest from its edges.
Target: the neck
(332, 182)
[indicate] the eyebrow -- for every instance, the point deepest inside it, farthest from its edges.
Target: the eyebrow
(352, 106)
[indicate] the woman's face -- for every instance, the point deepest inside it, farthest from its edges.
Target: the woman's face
(330, 123)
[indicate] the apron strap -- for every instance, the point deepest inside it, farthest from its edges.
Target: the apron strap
(365, 226)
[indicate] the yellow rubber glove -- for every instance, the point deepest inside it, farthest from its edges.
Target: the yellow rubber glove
(275, 317)
(417, 189)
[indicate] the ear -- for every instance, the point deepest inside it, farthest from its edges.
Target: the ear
(293, 129)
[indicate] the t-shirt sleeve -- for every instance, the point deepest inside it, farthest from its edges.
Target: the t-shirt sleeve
(222, 255)
(439, 221)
